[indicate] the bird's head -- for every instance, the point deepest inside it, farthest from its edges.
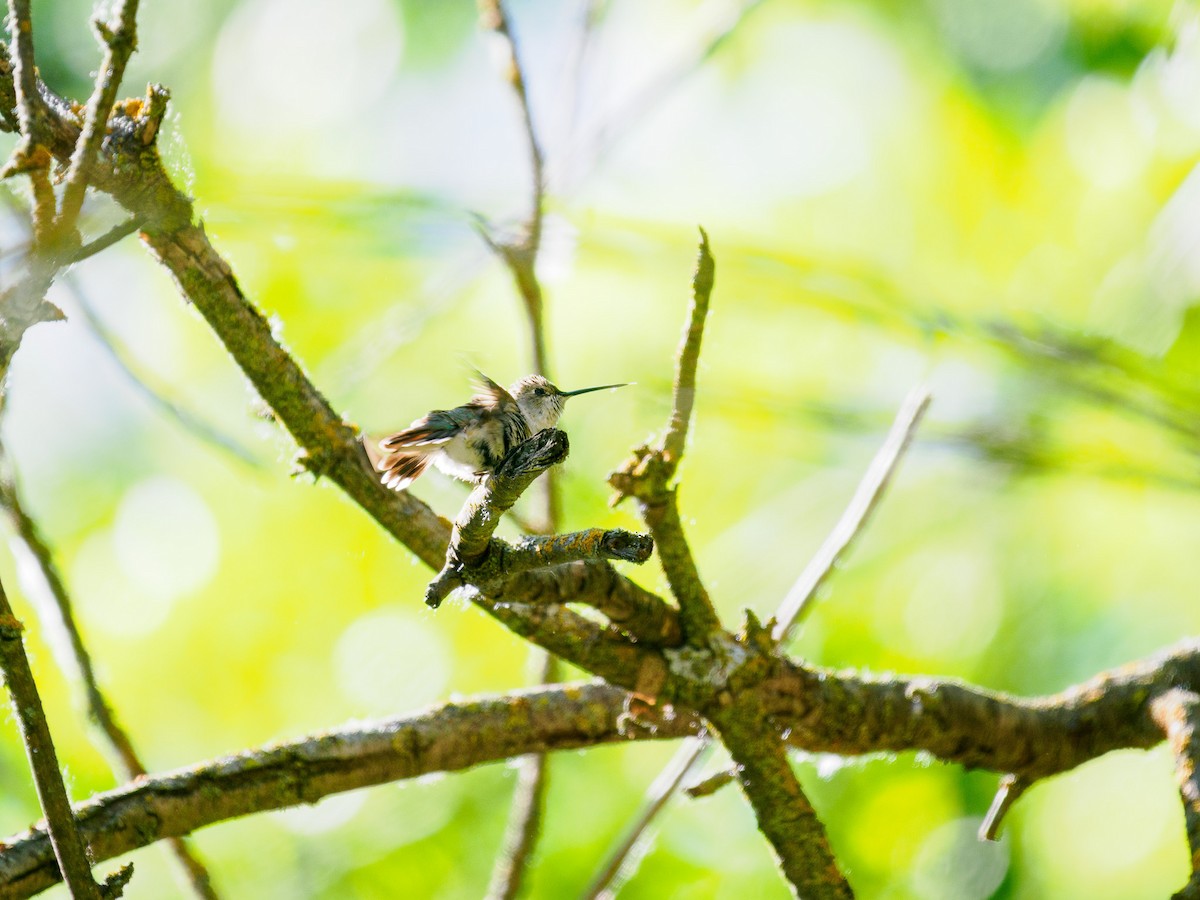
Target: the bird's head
(542, 403)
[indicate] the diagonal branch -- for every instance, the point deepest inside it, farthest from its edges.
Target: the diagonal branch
(625, 120)
(626, 853)
(114, 235)
(866, 498)
(68, 848)
(128, 167)
(129, 763)
(154, 395)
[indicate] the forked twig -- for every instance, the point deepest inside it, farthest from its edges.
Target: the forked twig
(871, 488)
(119, 43)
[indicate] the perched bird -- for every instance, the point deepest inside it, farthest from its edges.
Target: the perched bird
(470, 440)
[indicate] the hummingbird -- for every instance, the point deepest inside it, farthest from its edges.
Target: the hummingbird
(471, 440)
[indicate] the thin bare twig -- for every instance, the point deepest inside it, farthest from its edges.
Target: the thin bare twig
(684, 394)
(593, 11)
(528, 807)
(129, 764)
(494, 17)
(114, 235)
(43, 761)
(866, 498)
(627, 852)
(1010, 790)
(648, 475)
(119, 43)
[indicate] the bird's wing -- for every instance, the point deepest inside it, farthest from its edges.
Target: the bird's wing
(433, 428)
(490, 396)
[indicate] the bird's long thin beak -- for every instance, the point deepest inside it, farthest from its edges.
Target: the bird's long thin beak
(602, 387)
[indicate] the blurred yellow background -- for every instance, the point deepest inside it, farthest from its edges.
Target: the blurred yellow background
(999, 199)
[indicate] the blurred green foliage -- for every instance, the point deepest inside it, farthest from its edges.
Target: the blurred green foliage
(997, 198)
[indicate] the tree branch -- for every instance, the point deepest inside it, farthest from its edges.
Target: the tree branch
(480, 515)
(494, 17)
(447, 738)
(1177, 713)
(525, 817)
(648, 474)
(520, 257)
(688, 357)
(66, 845)
(129, 764)
(129, 168)
(24, 70)
(156, 396)
(1032, 738)
(853, 520)
(623, 857)
(785, 815)
(113, 236)
(119, 43)
(1010, 791)
(866, 498)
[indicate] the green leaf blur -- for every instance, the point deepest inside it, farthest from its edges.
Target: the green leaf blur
(998, 199)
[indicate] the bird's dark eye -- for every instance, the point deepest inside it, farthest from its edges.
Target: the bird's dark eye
(539, 392)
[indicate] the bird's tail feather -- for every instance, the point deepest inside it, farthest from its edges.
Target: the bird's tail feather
(399, 470)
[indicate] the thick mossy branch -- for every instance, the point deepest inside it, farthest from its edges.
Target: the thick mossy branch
(447, 738)
(604, 652)
(544, 551)
(1034, 738)
(785, 815)
(500, 490)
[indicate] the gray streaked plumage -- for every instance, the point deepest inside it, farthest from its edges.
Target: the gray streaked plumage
(470, 440)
